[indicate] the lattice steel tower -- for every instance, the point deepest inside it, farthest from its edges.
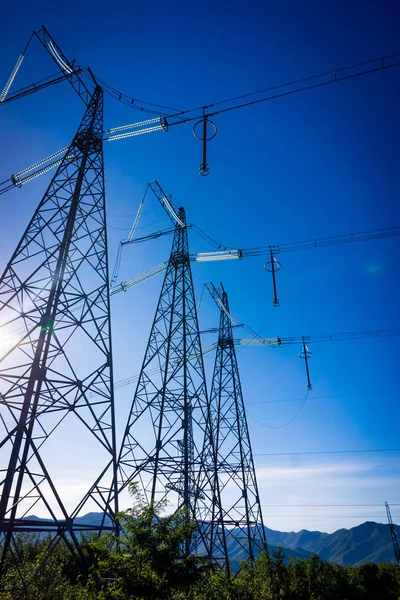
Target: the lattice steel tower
(240, 518)
(168, 430)
(55, 352)
(395, 542)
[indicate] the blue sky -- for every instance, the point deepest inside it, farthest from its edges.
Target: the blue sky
(315, 164)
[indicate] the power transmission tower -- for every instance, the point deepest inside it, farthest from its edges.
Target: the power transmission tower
(239, 523)
(168, 430)
(55, 355)
(394, 535)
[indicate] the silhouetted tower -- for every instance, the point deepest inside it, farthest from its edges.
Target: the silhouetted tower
(240, 519)
(394, 535)
(55, 354)
(168, 429)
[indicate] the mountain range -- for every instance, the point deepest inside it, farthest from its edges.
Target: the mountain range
(368, 542)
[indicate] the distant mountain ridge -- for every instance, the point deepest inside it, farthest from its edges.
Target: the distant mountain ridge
(368, 542)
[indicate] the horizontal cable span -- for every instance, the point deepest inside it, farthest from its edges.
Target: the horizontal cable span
(275, 342)
(268, 93)
(346, 238)
(382, 516)
(318, 452)
(330, 396)
(330, 505)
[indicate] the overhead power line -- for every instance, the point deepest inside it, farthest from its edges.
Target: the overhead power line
(211, 347)
(320, 452)
(274, 342)
(334, 240)
(82, 79)
(328, 505)
(267, 93)
(327, 397)
(226, 252)
(329, 516)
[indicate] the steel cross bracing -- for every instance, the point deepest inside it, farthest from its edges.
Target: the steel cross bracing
(168, 428)
(393, 534)
(70, 70)
(55, 289)
(240, 518)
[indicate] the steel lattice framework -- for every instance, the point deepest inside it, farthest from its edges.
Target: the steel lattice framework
(167, 441)
(239, 522)
(55, 353)
(393, 534)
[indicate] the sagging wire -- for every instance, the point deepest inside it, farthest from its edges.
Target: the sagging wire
(212, 346)
(256, 336)
(134, 102)
(293, 87)
(273, 265)
(117, 265)
(276, 91)
(210, 240)
(201, 298)
(189, 189)
(300, 408)
(140, 227)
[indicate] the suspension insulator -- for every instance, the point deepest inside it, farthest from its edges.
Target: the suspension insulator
(306, 354)
(204, 130)
(273, 266)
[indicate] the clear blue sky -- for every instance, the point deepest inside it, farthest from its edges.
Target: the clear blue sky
(315, 164)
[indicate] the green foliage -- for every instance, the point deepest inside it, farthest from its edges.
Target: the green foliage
(36, 578)
(147, 561)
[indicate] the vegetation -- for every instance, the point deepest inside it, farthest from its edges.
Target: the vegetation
(145, 562)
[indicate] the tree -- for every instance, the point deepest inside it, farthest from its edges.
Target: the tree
(146, 560)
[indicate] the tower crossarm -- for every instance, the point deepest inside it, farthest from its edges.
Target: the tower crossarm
(70, 69)
(218, 298)
(35, 87)
(166, 203)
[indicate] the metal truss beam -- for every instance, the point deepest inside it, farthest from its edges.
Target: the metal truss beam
(70, 69)
(239, 522)
(168, 438)
(54, 291)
